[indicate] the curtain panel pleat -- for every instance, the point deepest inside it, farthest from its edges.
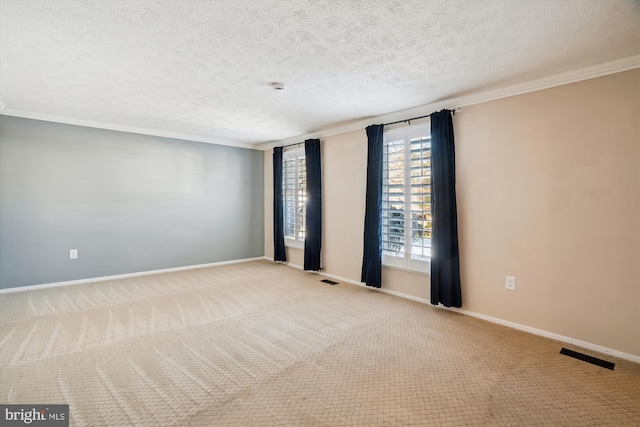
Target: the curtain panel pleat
(445, 258)
(313, 225)
(372, 257)
(279, 252)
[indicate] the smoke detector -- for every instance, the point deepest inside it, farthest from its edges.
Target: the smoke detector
(279, 87)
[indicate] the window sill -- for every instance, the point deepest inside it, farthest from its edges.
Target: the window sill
(408, 270)
(291, 243)
(413, 266)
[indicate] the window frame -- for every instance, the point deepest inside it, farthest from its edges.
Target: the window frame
(406, 133)
(299, 157)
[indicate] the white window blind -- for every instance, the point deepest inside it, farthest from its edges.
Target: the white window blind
(294, 191)
(406, 198)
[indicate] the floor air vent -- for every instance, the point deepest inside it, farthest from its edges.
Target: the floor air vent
(331, 282)
(586, 358)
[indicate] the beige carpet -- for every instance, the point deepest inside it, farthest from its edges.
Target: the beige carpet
(259, 344)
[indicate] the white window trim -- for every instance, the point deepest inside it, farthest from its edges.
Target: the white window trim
(293, 243)
(292, 153)
(405, 263)
(424, 267)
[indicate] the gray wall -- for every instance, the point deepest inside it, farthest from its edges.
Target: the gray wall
(127, 202)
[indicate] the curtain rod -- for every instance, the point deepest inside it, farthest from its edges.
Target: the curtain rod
(295, 143)
(453, 111)
(419, 117)
(291, 145)
(407, 120)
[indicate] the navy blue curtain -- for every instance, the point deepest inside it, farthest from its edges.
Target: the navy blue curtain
(372, 257)
(445, 258)
(313, 224)
(279, 253)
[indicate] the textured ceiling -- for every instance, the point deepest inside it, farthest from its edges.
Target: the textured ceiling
(204, 67)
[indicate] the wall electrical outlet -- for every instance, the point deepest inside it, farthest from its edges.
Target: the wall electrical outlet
(511, 283)
(73, 254)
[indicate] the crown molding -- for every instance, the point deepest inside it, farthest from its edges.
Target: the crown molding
(123, 128)
(586, 73)
(479, 97)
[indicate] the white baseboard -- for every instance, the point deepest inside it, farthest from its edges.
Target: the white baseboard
(123, 276)
(502, 322)
(540, 332)
(546, 334)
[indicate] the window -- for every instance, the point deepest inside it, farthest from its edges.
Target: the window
(294, 194)
(406, 198)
